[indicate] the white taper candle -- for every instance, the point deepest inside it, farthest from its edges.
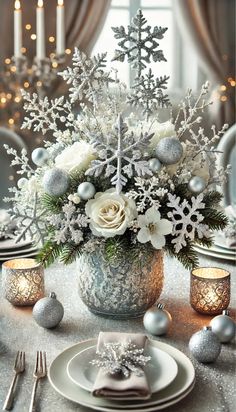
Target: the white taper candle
(17, 29)
(60, 49)
(40, 31)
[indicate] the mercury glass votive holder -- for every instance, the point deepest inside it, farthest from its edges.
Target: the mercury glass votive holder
(210, 290)
(23, 281)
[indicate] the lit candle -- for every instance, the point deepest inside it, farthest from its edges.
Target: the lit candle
(210, 290)
(40, 31)
(60, 49)
(17, 29)
(23, 281)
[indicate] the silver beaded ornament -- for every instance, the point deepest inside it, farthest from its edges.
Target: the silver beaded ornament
(48, 311)
(169, 150)
(197, 184)
(205, 345)
(56, 182)
(86, 190)
(157, 320)
(39, 156)
(224, 327)
(154, 164)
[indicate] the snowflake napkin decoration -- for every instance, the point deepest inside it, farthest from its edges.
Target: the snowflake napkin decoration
(114, 175)
(121, 358)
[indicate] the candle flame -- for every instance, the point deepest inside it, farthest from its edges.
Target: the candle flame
(17, 5)
(60, 2)
(40, 3)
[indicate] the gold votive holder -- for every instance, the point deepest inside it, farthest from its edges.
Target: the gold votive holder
(210, 290)
(23, 281)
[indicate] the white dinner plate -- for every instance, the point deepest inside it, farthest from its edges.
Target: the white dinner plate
(179, 388)
(9, 244)
(160, 371)
(212, 253)
(24, 255)
(18, 251)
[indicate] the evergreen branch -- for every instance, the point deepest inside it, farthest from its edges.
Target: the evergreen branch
(212, 199)
(214, 219)
(69, 253)
(187, 255)
(49, 253)
(52, 204)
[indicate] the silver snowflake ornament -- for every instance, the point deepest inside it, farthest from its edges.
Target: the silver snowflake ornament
(120, 155)
(187, 220)
(139, 43)
(121, 358)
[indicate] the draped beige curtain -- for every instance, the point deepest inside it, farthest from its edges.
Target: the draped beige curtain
(84, 20)
(210, 26)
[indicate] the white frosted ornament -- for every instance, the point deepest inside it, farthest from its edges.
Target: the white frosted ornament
(39, 156)
(22, 182)
(157, 320)
(224, 327)
(205, 345)
(86, 190)
(169, 150)
(56, 182)
(48, 312)
(154, 164)
(197, 184)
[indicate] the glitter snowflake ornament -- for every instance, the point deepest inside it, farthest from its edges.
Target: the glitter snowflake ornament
(121, 358)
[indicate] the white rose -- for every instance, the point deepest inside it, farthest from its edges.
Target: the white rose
(110, 213)
(160, 130)
(75, 158)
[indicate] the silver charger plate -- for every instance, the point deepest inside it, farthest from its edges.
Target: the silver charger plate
(178, 389)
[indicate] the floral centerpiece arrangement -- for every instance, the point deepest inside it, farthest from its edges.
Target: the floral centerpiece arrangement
(115, 179)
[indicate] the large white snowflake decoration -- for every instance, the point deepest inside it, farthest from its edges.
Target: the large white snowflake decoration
(139, 43)
(86, 76)
(120, 155)
(121, 358)
(148, 193)
(186, 220)
(68, 224)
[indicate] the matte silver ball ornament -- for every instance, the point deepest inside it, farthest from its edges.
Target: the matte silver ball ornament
(169, 150)
(86, 190)
(154, 164)
(224, 327)
(157, 320)
(56, 182)
(48, 312)
(39, 156)
(22, 182)
(205, 345)
(197, 184)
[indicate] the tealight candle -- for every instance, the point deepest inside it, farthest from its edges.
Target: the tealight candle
(210, 290)
(23, 281)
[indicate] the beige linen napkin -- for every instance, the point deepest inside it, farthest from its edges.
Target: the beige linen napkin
(107, 385)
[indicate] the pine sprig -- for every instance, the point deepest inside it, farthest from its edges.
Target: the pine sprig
(212, 199)
(49, 253)
(69, 253)
(216, 220)
(187, 255)
(52, 204)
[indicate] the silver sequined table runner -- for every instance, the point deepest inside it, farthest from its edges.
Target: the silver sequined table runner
(215, 386)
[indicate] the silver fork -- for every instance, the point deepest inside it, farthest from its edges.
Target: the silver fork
(40, 372)
(19, 368)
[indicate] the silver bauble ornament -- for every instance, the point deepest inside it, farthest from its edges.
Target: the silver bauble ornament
(157, 320)
(22, 182)
(169, 150)
(154, 164)
(205, 345)
(197, 184)
(86, 190)
(48, 312)
(56, 182)
(223, 326)
(39, 156)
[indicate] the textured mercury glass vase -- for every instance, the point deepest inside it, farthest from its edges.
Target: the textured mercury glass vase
(124, 287)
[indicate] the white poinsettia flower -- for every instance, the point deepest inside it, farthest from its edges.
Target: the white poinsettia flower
(153, 228)
(75, 158)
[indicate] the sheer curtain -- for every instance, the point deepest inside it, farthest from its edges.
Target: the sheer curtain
(210, 26)
(84, 20)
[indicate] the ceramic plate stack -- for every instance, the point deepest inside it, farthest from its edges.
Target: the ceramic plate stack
(170, 373)
(220, 249)
(11, 250)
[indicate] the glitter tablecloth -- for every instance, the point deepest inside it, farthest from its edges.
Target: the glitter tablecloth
(215, 383)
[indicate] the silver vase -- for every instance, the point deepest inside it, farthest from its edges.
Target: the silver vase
(122, 288)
